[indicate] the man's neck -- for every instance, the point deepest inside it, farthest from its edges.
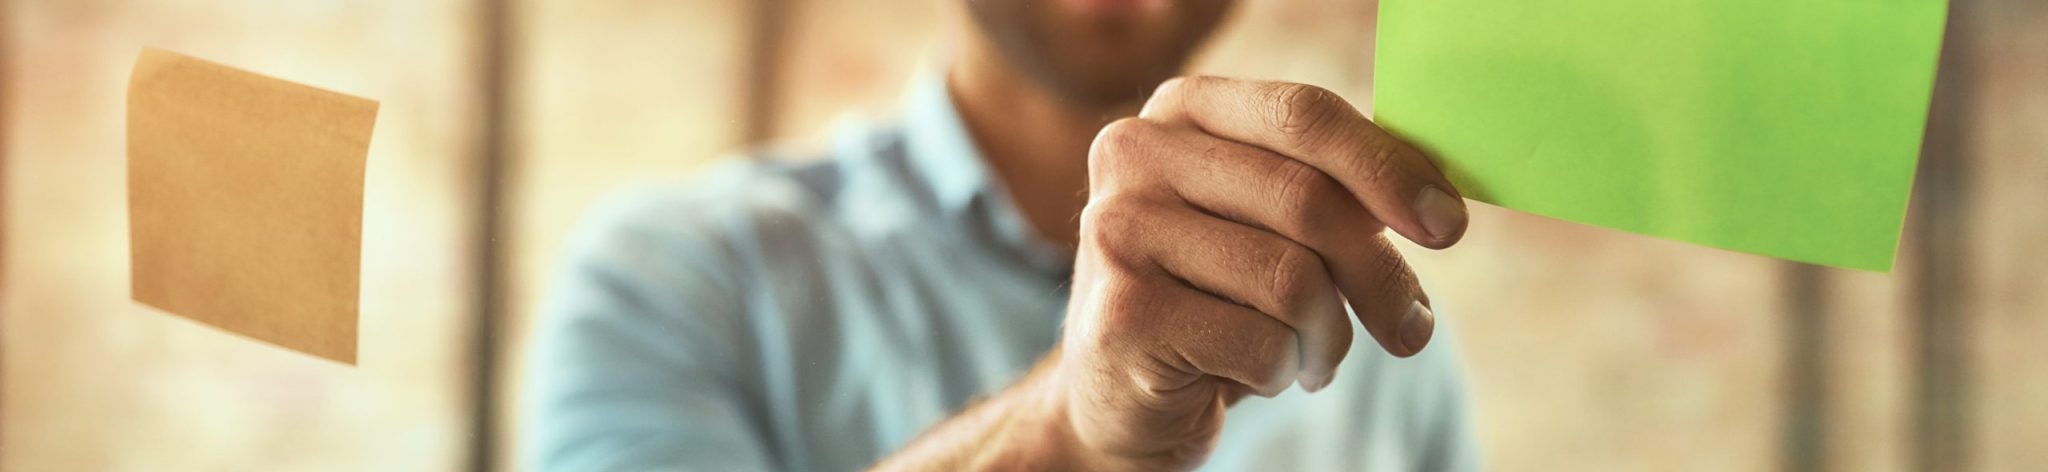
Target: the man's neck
(1034, 142)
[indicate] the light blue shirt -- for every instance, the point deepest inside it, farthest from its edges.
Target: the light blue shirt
(817, 314)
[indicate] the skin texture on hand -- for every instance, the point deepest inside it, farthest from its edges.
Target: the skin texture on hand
(1227, 227)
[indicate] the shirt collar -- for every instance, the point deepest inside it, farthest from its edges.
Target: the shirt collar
(943, 156)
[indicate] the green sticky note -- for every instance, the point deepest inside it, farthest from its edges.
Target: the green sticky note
(1788, 128)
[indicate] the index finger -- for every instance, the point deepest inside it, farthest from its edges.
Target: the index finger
(1399, 185)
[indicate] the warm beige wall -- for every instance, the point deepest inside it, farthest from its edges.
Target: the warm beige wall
(95, 382)
(2010, 296)
(851, 60)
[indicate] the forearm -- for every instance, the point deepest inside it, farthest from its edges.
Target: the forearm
(1023, 427)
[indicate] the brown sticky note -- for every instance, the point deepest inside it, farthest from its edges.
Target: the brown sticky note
(245, 201)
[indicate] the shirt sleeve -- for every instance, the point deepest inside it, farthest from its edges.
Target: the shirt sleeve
(1439, 418)
(639, 359)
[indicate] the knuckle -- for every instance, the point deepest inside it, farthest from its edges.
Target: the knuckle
(1100, 220)
(1114, 224)
(1304, 196)
(1378, 158)
(1278, 360)
(1120, 152)
(1126, 305)
(1120, 140)
(1300, 109)
(1296, 276)
(1392, 269)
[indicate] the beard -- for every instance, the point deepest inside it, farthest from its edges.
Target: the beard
(1091, 59)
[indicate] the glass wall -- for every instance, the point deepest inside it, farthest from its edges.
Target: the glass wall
(1587, 349)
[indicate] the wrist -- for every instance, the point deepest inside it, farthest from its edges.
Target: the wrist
(1037, 433)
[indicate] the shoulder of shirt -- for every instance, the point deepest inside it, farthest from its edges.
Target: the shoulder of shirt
(746, 194)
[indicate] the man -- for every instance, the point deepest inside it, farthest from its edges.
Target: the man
(1057, 260)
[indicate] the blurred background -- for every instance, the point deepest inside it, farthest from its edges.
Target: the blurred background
(502, 119)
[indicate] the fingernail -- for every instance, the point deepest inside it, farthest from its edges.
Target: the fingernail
(1416, 327)
(1442, 215)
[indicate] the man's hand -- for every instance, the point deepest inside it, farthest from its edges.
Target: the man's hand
(1227, 226)
(1223, 225)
